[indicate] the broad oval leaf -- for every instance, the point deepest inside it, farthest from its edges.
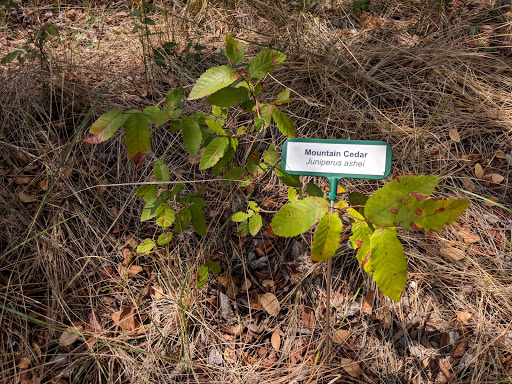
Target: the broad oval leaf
(216, 127)
(156, 115)
(147, 193)
(229, 96)
(164, 239)
(255, 223)
(263, 63)
(361, 234)
(297, 217)
(174, 98)
(314, 190)
(213, 266)
(212, 80)
(427, 215)
(137, 137)
(241, 216)
(387, 263)
(161, 171)
(182, 220)
(198, 219)
(192, 135)
(214, 152)
(146, 246)
(284, 123)
(327, 237)
(165, 216)
(106, 125)
(202, 276)
(289, 180)
(385, 204)
(234, 50)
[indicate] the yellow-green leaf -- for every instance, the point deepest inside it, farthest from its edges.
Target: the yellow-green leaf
(297, 217)
(212, 80)
(192, 135)
(255, 223)
(327, 237)
(146, 246)
(137, 137)
(165, 216)
(105, 127)
(234, 50)
(284, 123)
(387, 263)
(229, 96)
(263, 63)
(161, 171)
(214, 152)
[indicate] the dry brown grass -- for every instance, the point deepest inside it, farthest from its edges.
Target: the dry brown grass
(406, 73)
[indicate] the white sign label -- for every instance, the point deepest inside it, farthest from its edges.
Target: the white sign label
(357, 159)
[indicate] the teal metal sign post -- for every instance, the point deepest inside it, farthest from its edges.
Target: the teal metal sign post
(336, 160)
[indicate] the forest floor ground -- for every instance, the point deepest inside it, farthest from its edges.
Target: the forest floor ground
(431, 78)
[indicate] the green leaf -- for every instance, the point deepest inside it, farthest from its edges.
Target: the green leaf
(361, 234)
(264, 62)
(314, 190)
(384, 204)
(161, 171)
(214, 152)
(177, 189)
(296, 218)
(253, 161)
(243, 228)
(284, 123)
(198, 219)
(182, 220)
(147, 193)
(156, 115)
(358, 201)
(219, 167)
(212, 80)
(175, 126)
(174, 98)
(202, 276)
(234, 50)
(327, 237)
(427, 215)
(229, 96)
(270, 156)
(105, 127)
(192, 135)
(216, 127)
(283, 97)
(254, 206)
(137, 137)
(9, 57)
(164, 239)
(241, 216)
(165, 216)
(264, 114)
(149, 210)
(51, 29)
(290, 180)
(213, 266)
(293, 196)
(255, 223)
(235, 173)
(387, 263)
(146, 246)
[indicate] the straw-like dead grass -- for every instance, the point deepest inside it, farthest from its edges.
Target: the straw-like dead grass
(404, 73)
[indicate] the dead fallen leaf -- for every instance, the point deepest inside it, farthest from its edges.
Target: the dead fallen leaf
(267, 283)
(229, 355)
(308, 317)
(459, 348)
(479, 171)
(43, 184)
(454, 135)
(225, 307)
(368, 303)
(276, 341)
(341, 336)
(469, 237)
(491, 203)
(468, 184)
(94, 323)
(351, 367)
(157, 292)
(452, 253)
(26, 198)
(126, 319)
(69, 336)
(23, 180)
(501, 155)
(127, 256)
(270, 304)
(464, 316)
(246, 285)
(494, 177)
(255, 300)
(133, 270)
